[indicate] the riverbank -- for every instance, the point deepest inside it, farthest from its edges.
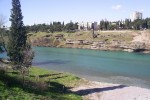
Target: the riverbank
(126, 40)
(46, 84)
(40, 84)
(117, 67)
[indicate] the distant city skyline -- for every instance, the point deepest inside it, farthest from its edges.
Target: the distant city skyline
(46, 11)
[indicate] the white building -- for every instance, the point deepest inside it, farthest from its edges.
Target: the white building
(81, 26)
(136, 15)
(84, 26)
(87, 26)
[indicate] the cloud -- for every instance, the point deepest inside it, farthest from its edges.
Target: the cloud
(117, 7)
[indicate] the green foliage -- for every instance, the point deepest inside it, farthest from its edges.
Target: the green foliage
(126, 24)
(148, 22)
(41, 84)
(18, 49)
(112, 27)
(57, 26)
(71, 27)
(53, 27)
(137, 24)
(104, 25)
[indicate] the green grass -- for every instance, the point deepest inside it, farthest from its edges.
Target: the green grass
(122, 36)
(41, 84)
(87, 35)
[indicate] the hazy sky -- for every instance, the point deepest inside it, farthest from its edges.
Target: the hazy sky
(45, 11)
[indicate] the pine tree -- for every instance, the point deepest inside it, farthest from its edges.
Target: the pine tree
(63, 26)
(51, 28)
(18, 35)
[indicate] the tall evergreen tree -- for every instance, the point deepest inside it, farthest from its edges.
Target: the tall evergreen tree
(18, 36)
(63, 26)
(51, 28)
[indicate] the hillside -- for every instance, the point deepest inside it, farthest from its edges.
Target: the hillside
(131, 41)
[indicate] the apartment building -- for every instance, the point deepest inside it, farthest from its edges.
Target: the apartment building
(136, 15)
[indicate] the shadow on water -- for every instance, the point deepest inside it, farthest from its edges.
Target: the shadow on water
(95, 90)
(53, 62)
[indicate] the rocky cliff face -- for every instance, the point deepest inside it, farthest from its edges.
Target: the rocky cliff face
(139, 43)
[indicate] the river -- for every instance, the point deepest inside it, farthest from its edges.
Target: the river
(107, 66)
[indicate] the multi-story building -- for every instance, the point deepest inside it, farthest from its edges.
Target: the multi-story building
(136, 15)
(85, 25)
(89, 25)
(82, 26)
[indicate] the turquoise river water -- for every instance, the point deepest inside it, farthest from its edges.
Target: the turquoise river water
(107, 66)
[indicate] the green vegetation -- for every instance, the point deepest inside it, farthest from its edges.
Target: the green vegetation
(53, 27)
(126, 24)
(18, 35)
(105, 37)
(40, 84)
(86, 35)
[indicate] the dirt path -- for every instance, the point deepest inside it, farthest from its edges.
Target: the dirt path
(107, 91)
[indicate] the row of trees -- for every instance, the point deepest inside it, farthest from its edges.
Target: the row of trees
(104, 25)
(126, 24)
(53, 27)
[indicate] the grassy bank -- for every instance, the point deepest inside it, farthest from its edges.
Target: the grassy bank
(59, 39)
(40, 84)
(87, 35)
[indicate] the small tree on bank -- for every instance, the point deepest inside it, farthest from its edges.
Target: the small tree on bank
(18, 49)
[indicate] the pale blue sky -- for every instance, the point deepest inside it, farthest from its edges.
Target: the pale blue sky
(45, 11)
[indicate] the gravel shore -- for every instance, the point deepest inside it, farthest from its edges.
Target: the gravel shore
(106, 91)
